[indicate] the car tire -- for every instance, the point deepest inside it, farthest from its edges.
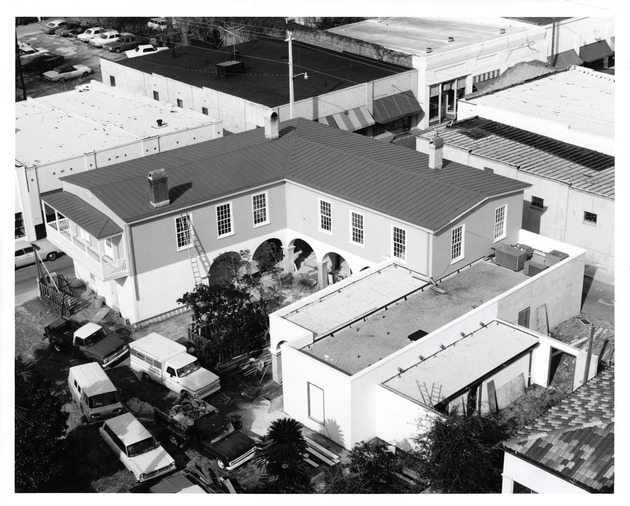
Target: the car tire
(56, 347)
(117, 50)
(220, 464)
(145, 377)
(52, 256)
(62, 81)
(174, 439)
(84, 75)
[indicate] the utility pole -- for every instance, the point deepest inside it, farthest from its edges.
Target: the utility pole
(289, 39)
(18, 63)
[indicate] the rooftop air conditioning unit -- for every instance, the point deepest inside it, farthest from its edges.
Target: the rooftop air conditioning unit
(554, 256)
(510, 257)
(532, 268)
(229, 68)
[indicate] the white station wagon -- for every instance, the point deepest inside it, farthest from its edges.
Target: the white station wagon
(136, 448)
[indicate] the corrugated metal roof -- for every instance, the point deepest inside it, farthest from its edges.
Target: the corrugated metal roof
(581, 168)
(365, 171)
(83, 214)
(575, 438)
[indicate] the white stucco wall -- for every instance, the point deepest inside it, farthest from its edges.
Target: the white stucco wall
(534, 478)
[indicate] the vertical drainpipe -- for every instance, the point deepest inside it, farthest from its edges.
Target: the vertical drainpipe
(131, 259)
(430, 255)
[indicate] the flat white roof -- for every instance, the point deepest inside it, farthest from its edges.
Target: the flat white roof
(87, 330)
(450, 370)
(576, 101)
(414, 35)
(92, 117)
(346, 301)
(158, 346)
(128, 428)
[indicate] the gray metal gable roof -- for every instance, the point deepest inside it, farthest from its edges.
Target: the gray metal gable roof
(581, 168)
(368, 172)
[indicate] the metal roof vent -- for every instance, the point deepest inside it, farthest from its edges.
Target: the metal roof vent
(502, 31)
(429, 50)
(451, 39)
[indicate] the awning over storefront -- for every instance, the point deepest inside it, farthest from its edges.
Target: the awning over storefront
(352, 120)
(396, 106)
(83, 214)
(595, 51)
(565, 59)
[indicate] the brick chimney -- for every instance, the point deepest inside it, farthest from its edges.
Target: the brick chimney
(271, 125)
(158, 187)
(435, 152)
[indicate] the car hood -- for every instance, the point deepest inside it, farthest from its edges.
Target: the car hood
(148, 462)
(51, 73)
(198, 380)
(233, 446)
(106, 347)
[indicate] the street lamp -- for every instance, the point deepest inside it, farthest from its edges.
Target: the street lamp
(289, 39)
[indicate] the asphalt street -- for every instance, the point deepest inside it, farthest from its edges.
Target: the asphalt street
(26, 277)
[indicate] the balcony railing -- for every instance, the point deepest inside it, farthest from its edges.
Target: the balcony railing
(75, 247)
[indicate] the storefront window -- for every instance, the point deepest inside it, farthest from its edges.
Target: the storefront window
(19, 226)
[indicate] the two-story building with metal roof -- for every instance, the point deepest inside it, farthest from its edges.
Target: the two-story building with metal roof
(555, 132)
(89, 128)
(144, 232)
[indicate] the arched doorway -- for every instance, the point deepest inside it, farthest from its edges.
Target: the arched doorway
(303, 256)
(225, 268)
(268, 255)
(338, 267)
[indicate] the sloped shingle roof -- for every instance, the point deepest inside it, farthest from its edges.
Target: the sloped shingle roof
(582, 168)
(575, 438)
(364, 171)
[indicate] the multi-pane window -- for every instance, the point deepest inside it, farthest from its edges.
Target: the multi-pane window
(399, 242)
(259, 205)
(356, 226)
(19, 226)
(180, 103)
(112, 81)
(156, 95)
(204, 110)
(538, 203)
(224, 219)
(499, 222)
(325, 216)
(182, 228)
(590, 217)
(457, 243)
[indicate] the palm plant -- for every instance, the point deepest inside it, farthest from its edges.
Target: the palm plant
(281, 452)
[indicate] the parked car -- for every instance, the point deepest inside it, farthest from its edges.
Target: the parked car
(43, 62)
(71, 30)
(158, 24)
(103, 38)
(25, 252)
(66, 72)
(90, 33)
(136, 448)
(125, 42)
(144, 49)
(52, 26)
(26, 52)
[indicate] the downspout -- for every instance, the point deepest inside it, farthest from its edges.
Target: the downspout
(132, 268)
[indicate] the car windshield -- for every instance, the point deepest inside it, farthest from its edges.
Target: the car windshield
(104, 399)
(92, 339)
(144, 446)
(187, 369)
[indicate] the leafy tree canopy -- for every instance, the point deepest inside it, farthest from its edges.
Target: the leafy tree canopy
(40, 428)
(460, 454)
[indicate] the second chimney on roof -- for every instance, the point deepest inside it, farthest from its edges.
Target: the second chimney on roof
(271, 125)
(435, 152)
(158, 188)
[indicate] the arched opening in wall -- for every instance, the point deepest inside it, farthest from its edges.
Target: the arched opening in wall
(268, 256)
(338, 267)
(303, 257)
(225, 268)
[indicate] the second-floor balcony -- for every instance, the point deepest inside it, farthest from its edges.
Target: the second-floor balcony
(91, 238)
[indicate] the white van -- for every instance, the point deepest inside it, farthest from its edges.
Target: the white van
(94, 392)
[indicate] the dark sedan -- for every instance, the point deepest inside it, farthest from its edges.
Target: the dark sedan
(125, 42)
(44, 62)
(71, 30)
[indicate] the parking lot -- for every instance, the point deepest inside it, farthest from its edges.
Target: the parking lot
(74, 52)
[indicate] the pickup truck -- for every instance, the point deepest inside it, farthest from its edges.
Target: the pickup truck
(195, 422)
(88, 340)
